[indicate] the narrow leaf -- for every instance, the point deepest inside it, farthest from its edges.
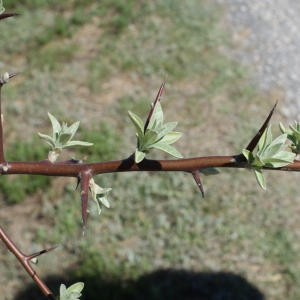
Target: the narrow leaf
(76, 287)
(276, 146)
(260, 177)
(171, 137)
(295, 132)
(138, 156)
(138, 124)
(164, 129)
(150, 138)
(209, 171)
(55, 126)
(47, 139)
(265, 139)
(77, 143)
(103, 199)
(157, 117)
(167, 148)
(73, 128)
(62, 290)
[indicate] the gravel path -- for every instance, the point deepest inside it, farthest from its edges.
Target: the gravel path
(268, 32)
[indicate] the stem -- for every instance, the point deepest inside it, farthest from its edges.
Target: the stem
(25, 261)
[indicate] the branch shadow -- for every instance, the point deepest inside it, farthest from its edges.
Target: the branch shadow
(158, 285)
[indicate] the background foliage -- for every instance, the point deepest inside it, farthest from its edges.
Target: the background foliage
(93, 61)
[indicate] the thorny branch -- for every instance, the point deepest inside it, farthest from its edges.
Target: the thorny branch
(84, 172)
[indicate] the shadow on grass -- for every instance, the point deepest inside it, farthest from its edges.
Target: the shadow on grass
(159, 285)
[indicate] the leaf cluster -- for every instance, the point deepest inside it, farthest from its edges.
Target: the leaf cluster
(62, 135)
(72, 293)
(269, 154)
(293, 135)
(156, 135)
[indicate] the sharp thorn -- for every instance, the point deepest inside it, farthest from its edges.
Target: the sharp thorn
(29, 257)
(256, 138)
(4, 16)
(155, 102)
(13, 75)
(198, 181)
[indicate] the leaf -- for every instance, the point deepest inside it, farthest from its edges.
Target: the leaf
(62, 290)
(260, 177)
(71, 296)
(150, 138)
(265, 139)
(296, 133)
(276, 146)
(167, 148)
(55, 126)
(157, 116)
(171, 137)
(73, 128)
(164, 129)
(63, 138)
(76, 287)
(103, 199)
(138, 124)
(209, 171)
(77, 143)
(248, 155)
(138, 156)
(47, 139)
(282, 159)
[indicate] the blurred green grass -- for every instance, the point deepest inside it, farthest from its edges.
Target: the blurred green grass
(93, 61)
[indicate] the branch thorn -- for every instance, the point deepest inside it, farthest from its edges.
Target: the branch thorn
(256, 138)
(198, 181)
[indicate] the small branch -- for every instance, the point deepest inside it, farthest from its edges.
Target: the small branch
(25, 261)
(256, 138)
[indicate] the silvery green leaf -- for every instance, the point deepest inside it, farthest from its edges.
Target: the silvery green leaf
(76, 287)
(150, 138)
(98, 206)
(55, 126)
(209, 171)
(171, 137)
(265, 139)
(138, 124)
(296, 133)
(248, 155)
(260, 177)
(283, 130)
(167, 148)
(63, 138)
(138, 156)
(257, 161)
(164, 129)
(157, 116)
(62, 290)
(47, 139)
(77, 143)
(281, 159)
(73, 128)
(276, 146)
(103, 199)
(71, 296)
